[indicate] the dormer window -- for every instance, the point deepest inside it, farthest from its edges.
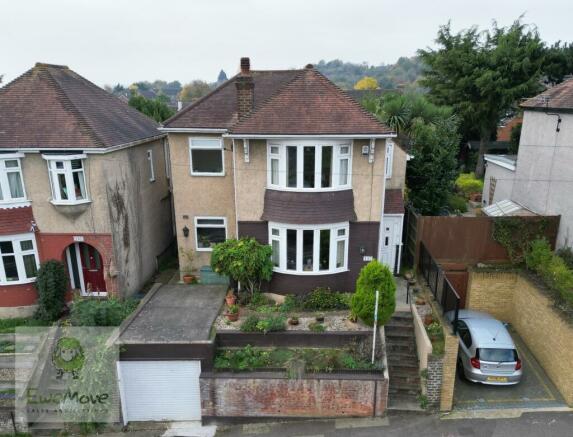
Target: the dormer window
(11, 181)
(309, 166)
(67, 178)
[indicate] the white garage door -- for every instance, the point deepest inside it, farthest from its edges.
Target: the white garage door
(160, 390)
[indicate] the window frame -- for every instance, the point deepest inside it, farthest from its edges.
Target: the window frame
(197, 225)
(282, 158)
(8, 200)
(220, 146)
(389, 159)
(68, 173)
(151, 165)
(19, 254)
(281, 237)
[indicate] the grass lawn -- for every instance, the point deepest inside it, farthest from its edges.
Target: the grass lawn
(316, 359)
(8, 326)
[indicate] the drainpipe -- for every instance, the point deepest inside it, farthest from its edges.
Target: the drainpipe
(381, 230)
(235, 191)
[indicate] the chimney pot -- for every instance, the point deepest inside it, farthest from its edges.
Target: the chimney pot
(245, 66)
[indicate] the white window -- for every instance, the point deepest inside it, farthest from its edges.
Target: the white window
(209, 231)
(11, 182)
(151, 168)
(309, 166)
(67, 177)
(206, 156)
(309, 249)
(18, 259)
(389, 159)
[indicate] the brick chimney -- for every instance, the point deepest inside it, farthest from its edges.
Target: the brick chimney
(245, 89)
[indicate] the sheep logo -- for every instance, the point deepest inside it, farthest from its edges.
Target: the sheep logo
(68, 357)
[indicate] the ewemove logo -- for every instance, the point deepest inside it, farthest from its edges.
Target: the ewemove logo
(67, 375)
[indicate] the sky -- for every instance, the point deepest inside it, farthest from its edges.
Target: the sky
(123, 41)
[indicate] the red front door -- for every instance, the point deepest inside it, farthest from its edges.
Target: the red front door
(92, 268)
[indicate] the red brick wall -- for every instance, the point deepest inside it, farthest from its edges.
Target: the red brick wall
(266, 395)
(17, 295)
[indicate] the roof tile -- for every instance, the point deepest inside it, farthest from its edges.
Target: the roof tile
(557, 97)
(393, 201)
(16, 220)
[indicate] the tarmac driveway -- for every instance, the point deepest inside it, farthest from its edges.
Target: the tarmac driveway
(534, 391)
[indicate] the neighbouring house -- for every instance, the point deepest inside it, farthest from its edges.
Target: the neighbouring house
(542, 177)
(84, 179)
(290, 159)
(498, 179)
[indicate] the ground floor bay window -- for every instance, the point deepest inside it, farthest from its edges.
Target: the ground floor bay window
(309, 249)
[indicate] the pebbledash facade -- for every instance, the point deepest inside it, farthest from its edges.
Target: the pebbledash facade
(83, 180)
(290, 159)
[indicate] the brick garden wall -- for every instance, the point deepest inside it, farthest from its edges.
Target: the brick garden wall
(515, 298)
(434, 380)
(268, 394)
(449, 361)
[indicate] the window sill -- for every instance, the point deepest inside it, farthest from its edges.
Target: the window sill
(24, 282)
(204, 249)
(303, 273)
(69, 203)
(194, 173)
(14, 204)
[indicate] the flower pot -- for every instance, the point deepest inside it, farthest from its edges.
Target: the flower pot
(232, 317)
(230, 299)
(319, 319)
(420, 301)
(188, 279)
(293, 322)
(428, 319)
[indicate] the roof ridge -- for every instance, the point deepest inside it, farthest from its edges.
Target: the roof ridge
(68, 104)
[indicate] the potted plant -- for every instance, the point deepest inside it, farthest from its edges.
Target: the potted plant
(232, 313)
(293, 321)
(319, 318)
(231, 299)
(188, 255)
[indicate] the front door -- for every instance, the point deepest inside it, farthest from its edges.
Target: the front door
(391, 237)
(85, 265)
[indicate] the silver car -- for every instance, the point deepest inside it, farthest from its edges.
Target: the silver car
(487, 353)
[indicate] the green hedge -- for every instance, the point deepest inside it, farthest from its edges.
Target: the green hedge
(96, 312)
(468, 184)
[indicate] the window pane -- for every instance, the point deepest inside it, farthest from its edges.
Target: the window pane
(275, 232)
(26, 245)
(12, 163)
(340, 249)
(76, 164)
(326, 176)
(15, 183)
(79, 185)
(344, 150)
(207, 237)
(343, 175)
(10, 268)
(275, 150)
(210, 221)
(341, 232)
(276, 257)
(274, 171)
(207, 161)
(308, 172)
(211, 144)
(6, 247)
(291, 166)
(59, 164)
(291, 249)
(324, 249)
(307, 250)
(30, 266)
(63, 186)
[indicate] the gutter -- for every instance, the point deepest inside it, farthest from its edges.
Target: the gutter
(193, 129)
(350, 136)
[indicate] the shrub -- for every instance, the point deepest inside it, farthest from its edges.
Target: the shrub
(468, 184)
(51, 283)
(457, 204)
(269, 324)
(374, 276)
(245, 260)
(290, 304)
(539, 255)
(316, 327)
(246, 358)
(250, 324)
(322, 299)
(566, 254)
(94, 312)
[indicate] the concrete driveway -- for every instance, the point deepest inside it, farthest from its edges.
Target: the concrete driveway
(534, 391)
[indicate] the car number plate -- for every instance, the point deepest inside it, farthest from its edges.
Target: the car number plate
(497, 378)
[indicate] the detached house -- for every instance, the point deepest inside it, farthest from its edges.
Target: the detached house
(539, 180)
(83, 180)
(290, 159)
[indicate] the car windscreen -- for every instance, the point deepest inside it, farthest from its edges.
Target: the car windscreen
(498, 355)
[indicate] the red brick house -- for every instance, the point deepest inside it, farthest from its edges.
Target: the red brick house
(84, 179)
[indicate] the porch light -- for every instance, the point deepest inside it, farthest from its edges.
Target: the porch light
(185, 231)
(362, 250)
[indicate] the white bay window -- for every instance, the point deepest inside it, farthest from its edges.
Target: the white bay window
(309, 166)
(11, 181)
(18, 259)
(67, 178)
(309, 249)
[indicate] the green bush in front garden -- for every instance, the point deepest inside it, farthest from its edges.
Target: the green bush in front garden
(374, 276)
(468, 184)
(566, 254)
(323, 299)
(268, 324)
(457, 203)
(51, 283)
(96, 312)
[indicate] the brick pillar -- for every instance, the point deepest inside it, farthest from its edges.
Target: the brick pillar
(434, 380)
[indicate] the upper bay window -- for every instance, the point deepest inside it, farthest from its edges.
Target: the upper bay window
(309, 166)
(11, 181)
(18, 259)
(206, 157)
(67, 179)
(309, 249)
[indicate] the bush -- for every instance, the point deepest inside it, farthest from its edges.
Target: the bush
(246, 358)
(94, 312)
(457, 204)
(250, 324)
(316, 327)
(468, 184)
(539, 255)
(566, 254)
(323, 299)
(374, 276)
(268, 324)
(51, 283)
